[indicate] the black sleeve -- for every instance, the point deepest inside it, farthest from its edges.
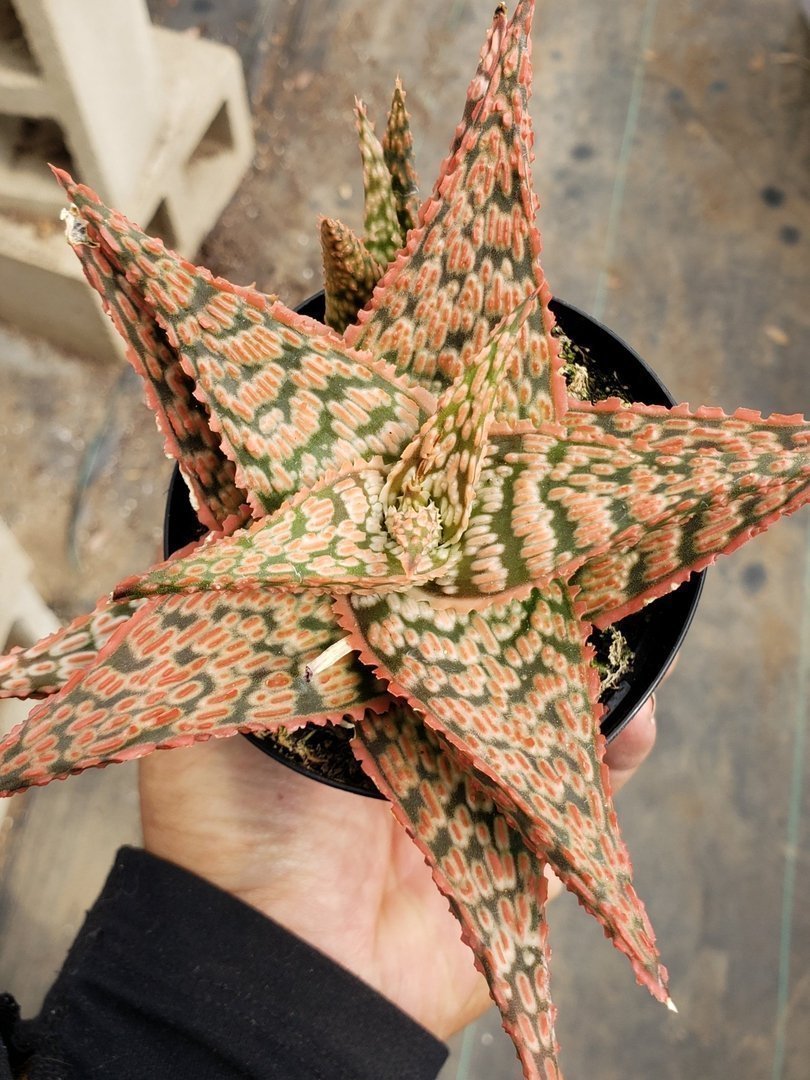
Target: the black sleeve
(171, 978)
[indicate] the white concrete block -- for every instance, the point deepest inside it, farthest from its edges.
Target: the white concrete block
(24, 615)
(205, 144)
(44, 293)
(99, 79)
(158, 122)
(24, 619)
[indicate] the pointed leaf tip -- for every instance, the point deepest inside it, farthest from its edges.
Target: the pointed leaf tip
(383, 236)
(397, 147)
(63, 178)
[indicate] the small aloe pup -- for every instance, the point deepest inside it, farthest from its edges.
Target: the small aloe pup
(351, 266)
(412, 527)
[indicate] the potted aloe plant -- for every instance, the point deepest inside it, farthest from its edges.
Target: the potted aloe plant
(412, 528)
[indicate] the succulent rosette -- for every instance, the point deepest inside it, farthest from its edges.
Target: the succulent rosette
(421, 496)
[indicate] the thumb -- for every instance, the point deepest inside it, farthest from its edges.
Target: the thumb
(632, 745)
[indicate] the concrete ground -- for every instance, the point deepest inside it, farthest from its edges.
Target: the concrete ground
(673, 149)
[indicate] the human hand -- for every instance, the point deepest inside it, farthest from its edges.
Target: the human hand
(334, 869)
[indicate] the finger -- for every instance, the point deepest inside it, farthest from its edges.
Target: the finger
(632, 745)
(672, 665)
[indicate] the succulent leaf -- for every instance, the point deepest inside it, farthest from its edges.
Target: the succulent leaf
(46, 666)
(382, 233)
(706, 483)
(513, 691)
(495, 885)
(475, 256)
(181, 418)
(350, 273)
(397, 147)
(287, 396)
(186, 668)
(479, 84)
(674, 489)
(330, 538)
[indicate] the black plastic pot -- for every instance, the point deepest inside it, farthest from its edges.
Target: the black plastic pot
(654, 634)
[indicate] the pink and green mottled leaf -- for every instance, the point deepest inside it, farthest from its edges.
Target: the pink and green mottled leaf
(674, 488)
(475, 256)
(45, 667)
(182, 419)
(487, 62)
(397, 147)
(288, 398)
(382, 234)
(187, 668)
(494, 884)
(513, 691)
(350, 273)
(716, 482)
(330, 538)
(443, 463)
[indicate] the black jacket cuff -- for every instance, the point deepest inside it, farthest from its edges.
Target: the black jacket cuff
(171, 977)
